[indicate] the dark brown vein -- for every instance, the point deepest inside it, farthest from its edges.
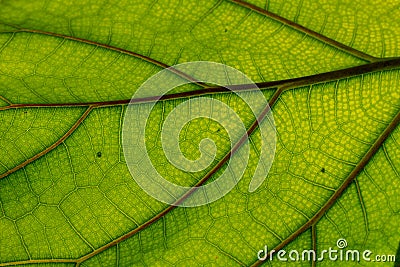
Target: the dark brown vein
(283, 85)
(254, 125)
(314, 242)
(116, 49)
(384, 64)
(199, 92)
(225, 159)
(307, 31)
(350, 178)
(50, 148)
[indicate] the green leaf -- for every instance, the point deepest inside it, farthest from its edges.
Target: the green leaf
(68, 69)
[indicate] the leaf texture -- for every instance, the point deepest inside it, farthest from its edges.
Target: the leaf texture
(69, 68)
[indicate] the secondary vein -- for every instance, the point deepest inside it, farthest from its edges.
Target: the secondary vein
(282, 86)
(314, 34)
(50, 148)
(350, 178)
(116, 49)
(225, 159)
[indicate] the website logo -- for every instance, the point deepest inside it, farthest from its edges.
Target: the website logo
(134, 133)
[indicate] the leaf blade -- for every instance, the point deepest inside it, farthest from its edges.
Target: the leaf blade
(299, 107)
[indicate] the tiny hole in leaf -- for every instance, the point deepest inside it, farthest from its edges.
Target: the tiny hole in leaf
(323, 170)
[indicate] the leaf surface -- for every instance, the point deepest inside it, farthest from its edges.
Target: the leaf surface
(69, 69)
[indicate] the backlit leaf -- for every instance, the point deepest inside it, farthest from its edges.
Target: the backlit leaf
(68, 69)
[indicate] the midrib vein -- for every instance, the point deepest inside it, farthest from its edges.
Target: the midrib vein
(350, 178)
(382, 64)
(283, 85)
(375, 65)
(300, 28)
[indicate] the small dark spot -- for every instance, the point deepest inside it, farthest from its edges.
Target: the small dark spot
(226, 30)
(323, 170)
(98, 154)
